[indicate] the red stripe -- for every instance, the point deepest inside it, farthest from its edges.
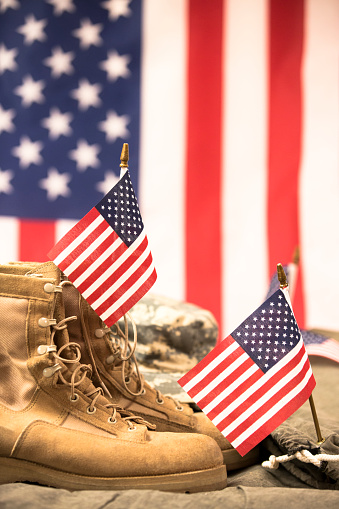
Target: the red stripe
(36, 238)
(73, 233)
(105, 265)
(277, 419)
(263, 389)
(123, 287)
(126, 306)
(286, 33)
(99, 251)
(250, 380)
(121, 269)
(265, 407)
(213, 373)
(81, 248)
(213, 354)
(203, 157)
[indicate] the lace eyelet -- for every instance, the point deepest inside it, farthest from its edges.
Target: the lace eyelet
(132, 429)
(179, 408)
(91, 411)
(160, 401)
(112, 421)
(127, 380)
(110, 359)
(143, 391)
(74, 398)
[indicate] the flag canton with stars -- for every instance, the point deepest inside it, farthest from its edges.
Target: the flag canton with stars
(269, 333)
(69, 78)
(120, 209)
(311, 338)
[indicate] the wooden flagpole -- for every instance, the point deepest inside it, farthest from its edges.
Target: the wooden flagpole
(283, 284)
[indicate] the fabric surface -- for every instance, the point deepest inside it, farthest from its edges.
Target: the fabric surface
(292, 485)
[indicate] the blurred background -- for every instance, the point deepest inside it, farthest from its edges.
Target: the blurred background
(230, 110)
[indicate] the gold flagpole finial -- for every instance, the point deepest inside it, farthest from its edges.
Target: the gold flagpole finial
(282, 276)
(124, 156)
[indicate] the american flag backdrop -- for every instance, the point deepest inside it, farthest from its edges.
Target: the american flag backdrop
(230, 109)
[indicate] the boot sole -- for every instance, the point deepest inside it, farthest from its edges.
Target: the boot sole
(14, 470)
(234, 461)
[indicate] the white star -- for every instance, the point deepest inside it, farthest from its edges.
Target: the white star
(33, 30)
(6, 117)
(57, 123)
(114, 126)
(85, 155)
(60, 62)
(30, 91)
(116, 66)
(28, 152)
(117, 8)
(8, 4)
(104, 186)
(61, 6)
(56, 184)
(87, 95)
(7, 62)
(5, 185)
(88, 34)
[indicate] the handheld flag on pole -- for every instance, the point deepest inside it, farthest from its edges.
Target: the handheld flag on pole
(256, 378)
(106, 254)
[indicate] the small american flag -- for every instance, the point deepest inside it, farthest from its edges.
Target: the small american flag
(321, 345)
(106, 254)
(255, 378)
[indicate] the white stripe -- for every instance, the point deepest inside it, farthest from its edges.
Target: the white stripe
(96, 263)
(261, 401)
(258, 384)
(244, 188)
(213, 364)
(320, 162)
(105, 275)
(226, 392)
(9, 231)
(128, 293)
(224, 374)
(272, 411)
(327, 349)
(121, 280)
(162, 142)
(89, 250)
(78, 240)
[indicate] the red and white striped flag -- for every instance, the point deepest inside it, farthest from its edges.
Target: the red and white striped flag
(106, 254)
(255, 378)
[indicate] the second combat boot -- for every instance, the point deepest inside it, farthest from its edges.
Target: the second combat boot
(116, 370)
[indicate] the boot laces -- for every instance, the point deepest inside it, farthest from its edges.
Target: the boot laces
(79, 372)
(123, 351)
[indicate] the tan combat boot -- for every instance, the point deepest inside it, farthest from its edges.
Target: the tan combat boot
(116, 369)
(56, 427)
